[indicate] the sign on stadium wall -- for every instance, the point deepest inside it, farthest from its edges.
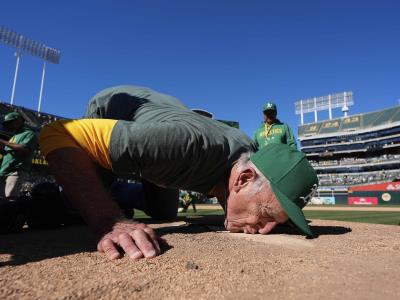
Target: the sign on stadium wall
(363, 200)
(387, 186)
(322, 200)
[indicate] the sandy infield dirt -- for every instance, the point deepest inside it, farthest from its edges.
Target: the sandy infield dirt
(345, 261)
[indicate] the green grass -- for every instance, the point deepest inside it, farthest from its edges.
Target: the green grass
(373, 217)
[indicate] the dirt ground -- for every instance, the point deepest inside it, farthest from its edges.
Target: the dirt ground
(345, 261)
(325, 207)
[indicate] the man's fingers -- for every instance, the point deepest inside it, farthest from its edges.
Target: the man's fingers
(127, 244)
(154, 239)
(108, 247)
(144, 243)
(135, 239)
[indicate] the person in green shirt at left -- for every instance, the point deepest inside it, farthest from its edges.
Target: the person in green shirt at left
(273, 131)
(17, 155)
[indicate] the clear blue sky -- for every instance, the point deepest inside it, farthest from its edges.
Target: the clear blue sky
(227, 57)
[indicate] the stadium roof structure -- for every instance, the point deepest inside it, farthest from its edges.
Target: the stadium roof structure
(353, 124)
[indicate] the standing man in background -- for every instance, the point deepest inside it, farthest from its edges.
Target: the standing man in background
(273, 131)
(17, 155)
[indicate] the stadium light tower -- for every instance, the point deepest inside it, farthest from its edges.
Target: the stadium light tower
(23, 44)
(328, 102)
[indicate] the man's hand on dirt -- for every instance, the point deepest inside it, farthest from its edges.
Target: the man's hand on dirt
(137, 240)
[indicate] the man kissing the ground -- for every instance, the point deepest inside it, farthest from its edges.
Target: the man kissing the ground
(135, 130)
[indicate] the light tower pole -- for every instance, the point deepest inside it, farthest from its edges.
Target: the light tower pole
(18, 55)
(26, 45)
(329, 102)
(41, 87)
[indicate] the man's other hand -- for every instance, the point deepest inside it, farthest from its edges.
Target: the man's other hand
(137, 240)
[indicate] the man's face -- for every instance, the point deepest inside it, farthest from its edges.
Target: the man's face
(269, 116)
(253, 209)
(14, 125)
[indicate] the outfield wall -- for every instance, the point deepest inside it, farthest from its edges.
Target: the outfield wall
(387, 193)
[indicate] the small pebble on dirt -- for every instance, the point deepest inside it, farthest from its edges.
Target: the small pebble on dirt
(190, 265)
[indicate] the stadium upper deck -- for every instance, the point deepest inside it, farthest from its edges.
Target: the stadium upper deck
(360, 123)
(357, 149)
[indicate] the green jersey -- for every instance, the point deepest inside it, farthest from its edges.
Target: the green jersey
(12, 161)
(124, 101)
(165, 143)
(276, 133)
(177, 149)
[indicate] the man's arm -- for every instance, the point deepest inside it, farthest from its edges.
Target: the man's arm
(75, 172)
(255, 138)
(20, 148)
(290, 139)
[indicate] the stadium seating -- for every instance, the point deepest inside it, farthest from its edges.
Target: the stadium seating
(357, 149)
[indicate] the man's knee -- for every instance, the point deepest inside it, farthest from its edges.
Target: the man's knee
(158, 203)
(161, 203)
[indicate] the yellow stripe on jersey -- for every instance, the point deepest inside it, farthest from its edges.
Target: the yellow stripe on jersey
(91, 135)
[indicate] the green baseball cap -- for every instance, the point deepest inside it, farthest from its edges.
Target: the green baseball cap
(11, 117)
(291, 177)
(270, 106)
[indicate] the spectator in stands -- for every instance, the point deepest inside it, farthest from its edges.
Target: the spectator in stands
(17, 155)
(273, 131)
(167, 144)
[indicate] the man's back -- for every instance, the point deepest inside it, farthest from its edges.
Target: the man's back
(177, 148)
(162, 141)
(122, 102)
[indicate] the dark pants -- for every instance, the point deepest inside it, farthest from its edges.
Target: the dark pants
(156, 202)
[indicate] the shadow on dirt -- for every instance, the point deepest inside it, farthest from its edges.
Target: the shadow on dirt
(36, 245)
(329, 230)
(200, 224)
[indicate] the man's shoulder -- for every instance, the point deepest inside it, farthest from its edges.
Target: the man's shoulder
(25, 134)
(28, 131)
(148, 95)
(122, 89)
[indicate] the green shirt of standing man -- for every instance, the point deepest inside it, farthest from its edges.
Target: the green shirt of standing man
(17, 155)
(273, 131)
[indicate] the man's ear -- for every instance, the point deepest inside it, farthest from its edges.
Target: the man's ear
(244, 177)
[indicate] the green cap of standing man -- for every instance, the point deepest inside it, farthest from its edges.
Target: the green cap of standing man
(270, 106)
(11, 117)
